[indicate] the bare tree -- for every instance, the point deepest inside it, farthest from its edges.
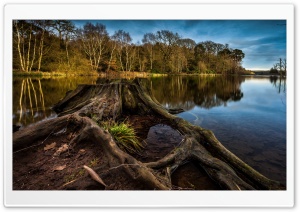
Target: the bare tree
(44, 26)
(93, 39)
(149, 42)
(66, 30)
(60, 27)
(284, 65)
(111, 46)
(29, 38)
(25, 39)
(123, 40)
(142, 59)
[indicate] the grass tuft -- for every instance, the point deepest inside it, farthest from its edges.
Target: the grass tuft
(124, 135)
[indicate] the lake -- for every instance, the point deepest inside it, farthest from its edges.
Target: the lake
(247, 114)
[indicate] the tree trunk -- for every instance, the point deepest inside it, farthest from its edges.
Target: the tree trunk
(120, 170)
(67, 52)
(111, 56)
(41, 48)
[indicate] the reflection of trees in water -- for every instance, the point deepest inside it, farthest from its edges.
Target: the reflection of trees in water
(186, 92)
(173, 92)
(279, 83)
(31, 101)
(34, 97)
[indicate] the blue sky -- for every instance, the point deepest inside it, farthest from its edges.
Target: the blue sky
(262, 41)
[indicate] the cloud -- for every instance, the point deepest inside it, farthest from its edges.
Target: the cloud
(276, 40)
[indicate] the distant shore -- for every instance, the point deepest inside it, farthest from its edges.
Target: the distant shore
(115, 74)
(268, 73)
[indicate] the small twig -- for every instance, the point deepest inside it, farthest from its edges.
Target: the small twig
(116, 167)
(68, 183)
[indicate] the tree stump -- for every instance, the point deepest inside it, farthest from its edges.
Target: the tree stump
(76, 126)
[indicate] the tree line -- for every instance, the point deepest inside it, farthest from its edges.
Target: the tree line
(58, 45)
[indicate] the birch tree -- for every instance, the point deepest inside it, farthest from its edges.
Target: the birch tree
(93, 39)
(25, 42)
(149, 42)
(124, 48)
(44, 28)
(29, 37)
(111, 47)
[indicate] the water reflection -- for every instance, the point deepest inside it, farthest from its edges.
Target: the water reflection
(34, 97)
(279, 83)
(206, 92)
(30, 96)
(248, 116)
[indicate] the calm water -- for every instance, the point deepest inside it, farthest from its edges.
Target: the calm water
(247, 114)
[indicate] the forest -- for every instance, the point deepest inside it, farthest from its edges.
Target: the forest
(60, 46)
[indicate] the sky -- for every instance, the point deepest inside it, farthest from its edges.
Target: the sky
(262, 41)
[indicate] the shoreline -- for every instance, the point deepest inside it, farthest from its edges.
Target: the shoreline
(121, 74)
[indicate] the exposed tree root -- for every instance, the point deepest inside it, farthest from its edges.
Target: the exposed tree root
(79, 110)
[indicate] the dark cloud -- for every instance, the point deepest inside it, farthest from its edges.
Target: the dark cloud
(262, 41)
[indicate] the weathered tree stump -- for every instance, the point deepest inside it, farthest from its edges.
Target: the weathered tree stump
(120, 170)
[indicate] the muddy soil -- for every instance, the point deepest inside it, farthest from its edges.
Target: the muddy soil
(46, 167)
(56, 164)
